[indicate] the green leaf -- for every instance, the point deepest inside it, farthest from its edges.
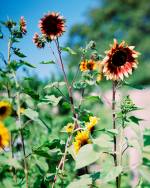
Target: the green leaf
(69, 50)
(112, 131)
(18, 53)
(55, 84)
(140, 87)
(112, 174)
(52, 100)
(10, 162)
(17, 64)
(47, 62)
(104, 141)
(31, 114)
(95, 176)
(93, 99)
(135, 119)
(80, 85)
(84, 181)
(145, 172)
(86, 156)
(27, 64)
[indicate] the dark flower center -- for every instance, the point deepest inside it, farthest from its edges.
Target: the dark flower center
(52, 25)
(84, 142)
(3, 110)
(119, 58)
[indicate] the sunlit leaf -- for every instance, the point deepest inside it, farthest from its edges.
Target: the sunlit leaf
(112, 174)
(86, 156)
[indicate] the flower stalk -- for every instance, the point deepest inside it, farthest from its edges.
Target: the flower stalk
(69, 87)
(18, 115)
(114, 87)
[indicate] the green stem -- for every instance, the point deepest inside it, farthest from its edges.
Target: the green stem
(18, 113)
(114, 84)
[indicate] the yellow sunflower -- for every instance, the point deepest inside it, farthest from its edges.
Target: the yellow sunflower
(120, 61)
(83, 65)
(5, 109)
(81, 139)
(93, 120)
(91, 65)
(88, 65)
(4, 136)
(69, 127)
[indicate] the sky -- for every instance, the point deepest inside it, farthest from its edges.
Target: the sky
(74, 11)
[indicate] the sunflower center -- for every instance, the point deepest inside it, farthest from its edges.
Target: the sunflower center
(52, 25)
(84, 142)
(119, 58)
(3, 110)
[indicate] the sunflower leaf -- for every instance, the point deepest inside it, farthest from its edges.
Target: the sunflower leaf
(69, 50)
(47, 62)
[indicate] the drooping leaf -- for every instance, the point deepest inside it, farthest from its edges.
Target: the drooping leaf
(27, 64)
(140, 87)
(31, 114)
(135, 119)
(112, 174)
(18, 53)
(55, 84)
(93, 99)
(51, 99)
(69, 50)
(84, 181)
(86, 156)
(112, 131)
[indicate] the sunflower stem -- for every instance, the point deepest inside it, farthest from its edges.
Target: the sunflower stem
(12, 155)
(61, 164)
(69, 87)
(114, 84)
(18, 113)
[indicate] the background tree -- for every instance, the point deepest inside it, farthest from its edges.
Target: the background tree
(127, 20)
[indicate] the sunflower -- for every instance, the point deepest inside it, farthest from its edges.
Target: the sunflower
(81, 139)
(120, 61)
(87, 65)
(83, 65)
(5, 109)
(4, 136)
(52, 25)
(91, 65)
(38, 41)
(93, 120)
(23, 25)
(69, 127)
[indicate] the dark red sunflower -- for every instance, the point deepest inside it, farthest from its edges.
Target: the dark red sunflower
(120, 61)
(52, 25)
